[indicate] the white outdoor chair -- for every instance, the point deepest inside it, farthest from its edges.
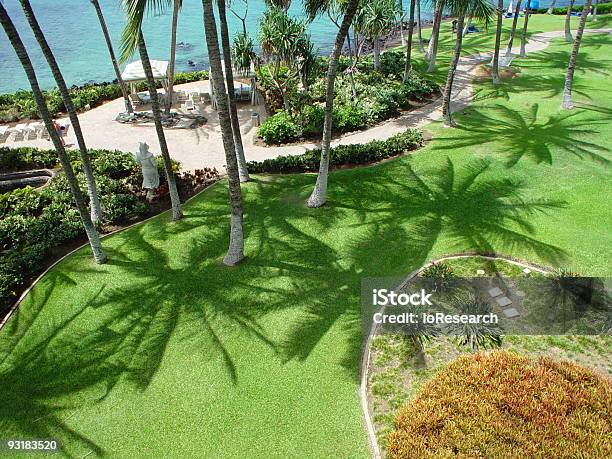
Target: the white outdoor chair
(189, 104)
(4, 133)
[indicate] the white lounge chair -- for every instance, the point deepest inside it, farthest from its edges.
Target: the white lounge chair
(4, 133)
(189, 104)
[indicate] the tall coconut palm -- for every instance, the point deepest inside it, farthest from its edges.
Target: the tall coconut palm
(235, 253)
(571, 66)
(479, 9)
(111, 52)
(432, 49)
(525, 25)
(132, 39)
(315, 7)
(568, 17)
(176, 8)
(229, 79)
(551, 7)
(419, 28)
(26, 63)
(513, 29)
(378, 18)
(498, 31)
(594, 15)
(408, 62)
(92, 191)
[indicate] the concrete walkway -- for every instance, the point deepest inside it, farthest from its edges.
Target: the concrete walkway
(202, 147)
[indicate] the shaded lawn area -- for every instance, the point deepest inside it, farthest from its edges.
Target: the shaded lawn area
(165, 352)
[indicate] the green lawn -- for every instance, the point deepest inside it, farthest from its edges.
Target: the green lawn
(164, 352)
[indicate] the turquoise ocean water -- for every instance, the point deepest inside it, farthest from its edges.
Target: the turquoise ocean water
(73, 31)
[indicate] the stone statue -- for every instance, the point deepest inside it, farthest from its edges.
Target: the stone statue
(150, 174)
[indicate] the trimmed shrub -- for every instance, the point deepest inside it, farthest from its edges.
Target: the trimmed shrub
(342, 155)
(279, 128)
(500, 404)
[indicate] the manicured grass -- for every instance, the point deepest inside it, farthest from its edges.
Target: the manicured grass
(165, 352)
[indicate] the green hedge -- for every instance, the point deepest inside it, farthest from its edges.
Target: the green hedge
(21, 105)
(342, 155)
(602, 8)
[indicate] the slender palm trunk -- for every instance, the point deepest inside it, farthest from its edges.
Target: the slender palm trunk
(594, 15)
(111, 51)
(569, 78)
(432, 50)
(551, 7)
(235, 253)
(568, 30)
(400, 10)
(319, 193)
(466, 27)
(170, 95)
(513, 30)
(498, 30)
(419, 29)
(351, 66)
(448, 88)
(92, 191)
(90, 230)
(525, 25)
(408, 63)
(177, 213)
(229, 79)
(377, 53)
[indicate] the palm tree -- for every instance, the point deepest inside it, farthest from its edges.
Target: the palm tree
(525, 24)
(176, 8)
(132, 39)
(315, 7)
(378, 17)
(568, 16)
(479, 9)
(111, 51)
(96, 210)
(419, 31)
(498, 31)
(569, 78)
(20, 50)
(513, 30)
(594, 15)
(432, 49)
(551, 7)
(408, 63)
(235, 253)
(229, 79)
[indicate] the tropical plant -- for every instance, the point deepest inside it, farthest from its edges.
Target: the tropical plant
(235, 253)
(513, 29)
(96, 210)
(375, 18)
(231, 96)
(231, 5)
(132, 39)
(243, 53)
(314, 8)
(24, 58)
(498, 31)
(111, 52)
(479, 335)
(568, 16)
(571, 66)
(408, 63)
(479, 9)
(432, 48)
(526, 15)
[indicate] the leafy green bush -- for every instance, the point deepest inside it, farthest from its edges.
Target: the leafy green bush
(602, 8)
(500, 404)
(279, 128)
(367, 153)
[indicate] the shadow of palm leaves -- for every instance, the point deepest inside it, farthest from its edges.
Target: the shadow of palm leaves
(525, 134)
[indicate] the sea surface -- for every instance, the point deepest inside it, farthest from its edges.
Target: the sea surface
(74, 34)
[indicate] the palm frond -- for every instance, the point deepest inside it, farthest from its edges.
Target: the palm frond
(135, 11)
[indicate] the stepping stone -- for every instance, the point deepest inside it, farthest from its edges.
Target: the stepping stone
(520, 294)
(503, 301)
(511, 313)
(495, 292)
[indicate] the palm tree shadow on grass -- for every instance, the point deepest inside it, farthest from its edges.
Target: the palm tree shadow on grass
(526, 135)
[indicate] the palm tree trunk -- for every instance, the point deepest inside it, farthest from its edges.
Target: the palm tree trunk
(90, 230)
(568, 16)
(525, 25)
(229, 79)
(551, 7)
(432, 50)
(96, 210)
(594, 15)
(319, 193)
(569, 78)
(400, 10)
(419, 30)
(466, 27)
(170, 95)
(377, 53)
(235, 253)
(177, 213)
(408, 63)
(448, 88)
(109, 45)
(513, 30)
(351, 69)
(498, 30)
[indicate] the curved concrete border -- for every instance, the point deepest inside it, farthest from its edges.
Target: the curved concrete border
(366, 357)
